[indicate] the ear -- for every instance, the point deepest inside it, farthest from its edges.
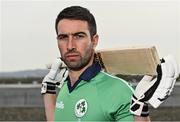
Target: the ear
(95, 40)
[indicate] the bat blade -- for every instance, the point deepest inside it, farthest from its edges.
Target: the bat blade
(130, 61)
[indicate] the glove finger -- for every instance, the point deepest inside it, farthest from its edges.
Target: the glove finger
(148, 87)
(60, 74)
(172, 65)
(56, 64)
(169, 75)
(55, 68)
(142, 86)
(64, 76)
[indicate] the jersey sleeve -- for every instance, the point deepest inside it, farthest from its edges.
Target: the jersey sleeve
(122, 104)
(123, 114)
(116, 101)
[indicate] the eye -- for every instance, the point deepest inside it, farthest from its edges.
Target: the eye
(79, 36)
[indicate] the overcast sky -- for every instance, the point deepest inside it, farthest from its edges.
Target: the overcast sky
(28, 39)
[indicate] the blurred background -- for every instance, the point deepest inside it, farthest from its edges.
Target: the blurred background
(28, 44)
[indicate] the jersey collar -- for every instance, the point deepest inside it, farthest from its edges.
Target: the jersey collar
(90, 72)
(87, 75)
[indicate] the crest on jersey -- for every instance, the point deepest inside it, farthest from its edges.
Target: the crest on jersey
(81, 108)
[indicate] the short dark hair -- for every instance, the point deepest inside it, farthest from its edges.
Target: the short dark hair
(78, 13)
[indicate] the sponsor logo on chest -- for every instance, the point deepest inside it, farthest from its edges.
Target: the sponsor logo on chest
(60, 105)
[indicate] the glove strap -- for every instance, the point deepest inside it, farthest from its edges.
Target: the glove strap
(139, 108)
(48, 87)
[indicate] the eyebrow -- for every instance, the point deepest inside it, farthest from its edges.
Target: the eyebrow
(72, 34)
(79, 33)
(64, 35)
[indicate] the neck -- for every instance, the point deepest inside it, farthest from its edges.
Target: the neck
(74, 75)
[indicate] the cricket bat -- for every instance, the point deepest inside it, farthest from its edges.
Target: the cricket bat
(129, 61)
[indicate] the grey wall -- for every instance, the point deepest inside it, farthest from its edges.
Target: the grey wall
(20, 96)
(29, 96)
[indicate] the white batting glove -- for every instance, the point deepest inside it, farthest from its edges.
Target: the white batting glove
(155, 91)
(170, 73)
(143, 92)
(55, 78)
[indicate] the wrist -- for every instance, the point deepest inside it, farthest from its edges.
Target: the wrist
(48, 87)
(139, 108)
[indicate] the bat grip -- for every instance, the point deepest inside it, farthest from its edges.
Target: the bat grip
(99, 59)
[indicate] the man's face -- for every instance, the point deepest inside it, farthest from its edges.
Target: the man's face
(75, 43)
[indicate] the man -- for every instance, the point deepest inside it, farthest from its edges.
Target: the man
(104, 97)
(88, 93)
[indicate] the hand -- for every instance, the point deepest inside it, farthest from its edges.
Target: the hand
(143, 92)
(169, 75)
(55, 78)
(156, 90)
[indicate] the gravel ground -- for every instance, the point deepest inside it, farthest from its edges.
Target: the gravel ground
(165, 114)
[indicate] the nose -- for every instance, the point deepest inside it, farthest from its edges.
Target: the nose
(70, 44)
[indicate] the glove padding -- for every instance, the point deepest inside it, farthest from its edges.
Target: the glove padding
(55, 78)
(143, 92)
(169, 75)
(151, 89)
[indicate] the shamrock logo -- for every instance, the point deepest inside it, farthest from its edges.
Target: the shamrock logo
(81, 108)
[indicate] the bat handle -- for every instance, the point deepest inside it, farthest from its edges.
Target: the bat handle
(98, 59)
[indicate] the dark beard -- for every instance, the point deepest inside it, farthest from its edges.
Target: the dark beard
(83, 62)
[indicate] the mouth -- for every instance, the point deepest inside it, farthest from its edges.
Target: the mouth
(72, 57)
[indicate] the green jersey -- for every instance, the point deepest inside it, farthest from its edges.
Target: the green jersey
(96, 96)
